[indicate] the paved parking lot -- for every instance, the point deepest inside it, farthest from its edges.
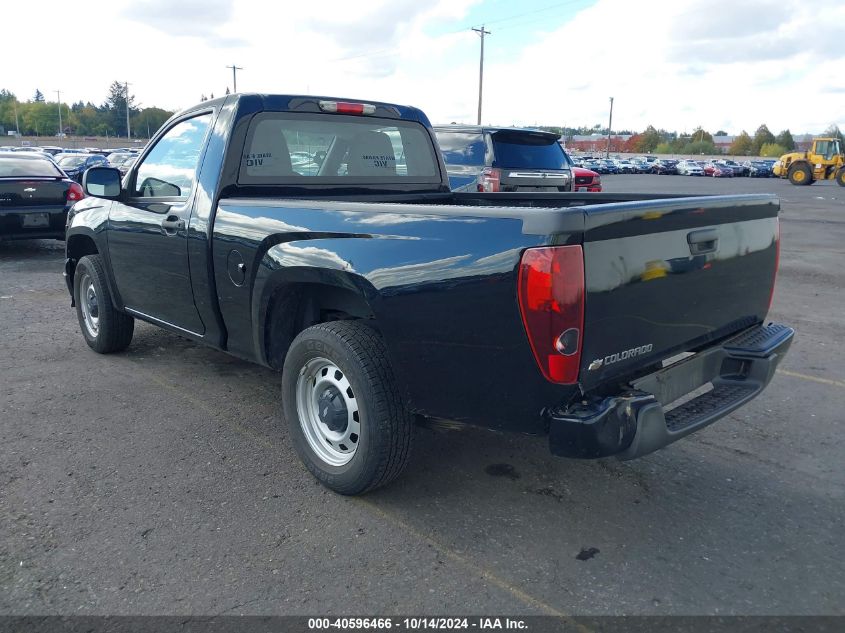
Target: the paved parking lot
(160, 481)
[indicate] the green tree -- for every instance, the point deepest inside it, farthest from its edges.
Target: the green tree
(8, 102)
(87, 120)
(700, 147)
(679, 143)
(648, 140)
(772, 150)
(115, 108)
(761, 137)
(742, 145)
(39, 96)
(784, 139)
(721, 133)
(39, 118)
(664, 148)
(148, 120)
(699, 134)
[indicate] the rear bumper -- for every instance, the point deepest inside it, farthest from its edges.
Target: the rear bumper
(12, 225)
(653, 411)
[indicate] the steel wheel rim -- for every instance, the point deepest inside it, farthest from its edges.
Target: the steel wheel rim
(89, 304)
(328, 411)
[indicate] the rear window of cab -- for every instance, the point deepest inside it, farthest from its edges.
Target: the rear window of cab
(285, 148)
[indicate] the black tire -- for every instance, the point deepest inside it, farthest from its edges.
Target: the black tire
(840, 177)
(800, 174)
(114, 329)
(383, 447)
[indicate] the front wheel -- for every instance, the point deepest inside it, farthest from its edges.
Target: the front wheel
(105, 329)
(343, 407)
(840, 177)
(800, 174)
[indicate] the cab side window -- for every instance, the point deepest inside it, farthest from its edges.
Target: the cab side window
(170, 169)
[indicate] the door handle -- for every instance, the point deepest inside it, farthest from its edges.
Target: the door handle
(172, 224)
(701, 242)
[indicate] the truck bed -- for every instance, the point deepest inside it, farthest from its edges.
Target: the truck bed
(440, 273)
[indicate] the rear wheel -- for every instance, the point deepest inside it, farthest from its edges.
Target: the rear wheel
(343, 408)
(105, 329)
(801, 174)
(840, 177)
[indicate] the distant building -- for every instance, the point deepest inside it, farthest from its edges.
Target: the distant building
(723, 143)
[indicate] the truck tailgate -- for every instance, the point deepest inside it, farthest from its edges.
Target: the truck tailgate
(669, 276)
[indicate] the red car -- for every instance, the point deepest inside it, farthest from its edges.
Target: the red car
(718, 171)
(586, 180)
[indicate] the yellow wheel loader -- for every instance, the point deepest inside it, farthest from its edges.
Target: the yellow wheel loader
(824, 162)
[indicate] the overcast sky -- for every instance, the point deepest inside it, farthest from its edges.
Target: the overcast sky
(722, 64)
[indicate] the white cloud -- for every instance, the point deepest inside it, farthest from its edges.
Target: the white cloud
(672, 63)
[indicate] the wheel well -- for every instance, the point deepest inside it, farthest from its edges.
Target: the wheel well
(78, 246)
(295, 307)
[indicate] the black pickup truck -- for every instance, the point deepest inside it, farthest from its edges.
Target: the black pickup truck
(319, 237)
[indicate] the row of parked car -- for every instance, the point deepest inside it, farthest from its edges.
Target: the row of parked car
(718, 168)
(74, 162)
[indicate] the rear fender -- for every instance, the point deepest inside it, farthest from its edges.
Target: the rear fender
(288, 287)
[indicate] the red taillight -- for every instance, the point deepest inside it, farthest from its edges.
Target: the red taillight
(74, 192)
(777, 263)
(551, 302)
(344, 107)
(490, 180)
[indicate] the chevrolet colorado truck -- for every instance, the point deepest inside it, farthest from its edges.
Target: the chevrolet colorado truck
(319, 237)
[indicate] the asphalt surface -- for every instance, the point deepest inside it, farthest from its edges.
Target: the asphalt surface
(161, 480)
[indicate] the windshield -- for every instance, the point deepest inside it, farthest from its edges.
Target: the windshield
(521, 150)
(72, 161)
(27, 167)
(117, 159)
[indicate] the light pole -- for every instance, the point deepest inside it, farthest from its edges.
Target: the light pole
(128, 133)
(609, 128)
(482, 33)
(235, 70)
(17, 126)
(59, 98)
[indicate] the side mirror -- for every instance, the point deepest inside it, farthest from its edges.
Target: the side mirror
(102, 182)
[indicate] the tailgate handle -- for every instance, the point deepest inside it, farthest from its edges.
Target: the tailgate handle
(706, 241)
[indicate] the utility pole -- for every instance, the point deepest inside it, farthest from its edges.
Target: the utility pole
(128, 131)
(482, 33)
(609, 128)
(59, 98)
(17, 126)
(235, 70)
